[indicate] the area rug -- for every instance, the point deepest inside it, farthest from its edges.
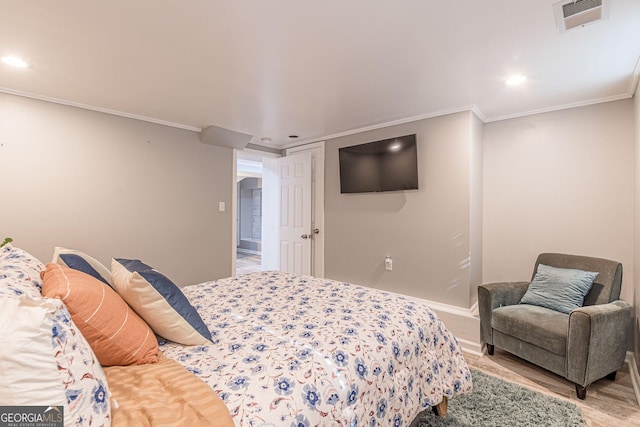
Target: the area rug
(496, 402)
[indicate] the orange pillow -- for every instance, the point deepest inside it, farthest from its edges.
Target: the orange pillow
(117, 335)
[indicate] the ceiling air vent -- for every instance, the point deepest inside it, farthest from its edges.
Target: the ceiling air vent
(578, 13)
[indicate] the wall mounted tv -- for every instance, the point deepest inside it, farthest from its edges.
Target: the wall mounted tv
(386, 165)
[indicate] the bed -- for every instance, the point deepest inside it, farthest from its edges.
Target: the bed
(277, 349)
(297, 350)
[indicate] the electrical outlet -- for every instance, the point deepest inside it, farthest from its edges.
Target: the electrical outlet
(388, 263)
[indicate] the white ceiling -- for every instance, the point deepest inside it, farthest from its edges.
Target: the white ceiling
(273, 68)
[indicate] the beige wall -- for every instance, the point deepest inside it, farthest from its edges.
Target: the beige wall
(559, 182)
(428, 232)
(114, 187)
(491, 196)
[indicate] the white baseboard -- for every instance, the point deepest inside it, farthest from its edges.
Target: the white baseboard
(635, 375)
(471, 347)
(462, 322)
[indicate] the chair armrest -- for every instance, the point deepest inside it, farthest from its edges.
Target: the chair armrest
(494, 295)
(597, 340)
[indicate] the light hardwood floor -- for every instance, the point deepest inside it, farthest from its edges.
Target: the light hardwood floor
(247, 263)
(608, 403)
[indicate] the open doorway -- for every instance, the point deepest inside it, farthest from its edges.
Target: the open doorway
(248, 214)
(258, 244)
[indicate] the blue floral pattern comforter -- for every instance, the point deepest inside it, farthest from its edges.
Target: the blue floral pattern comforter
(291, 350)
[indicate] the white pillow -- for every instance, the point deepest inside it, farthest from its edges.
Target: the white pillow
(19, 272)
(159, 302)
(45, 361)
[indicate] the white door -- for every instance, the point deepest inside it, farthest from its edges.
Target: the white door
(317, 203)
(292, 211)
(295, 213)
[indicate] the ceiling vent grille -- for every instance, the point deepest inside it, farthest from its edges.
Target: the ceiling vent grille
(579, 6)
(578, 13)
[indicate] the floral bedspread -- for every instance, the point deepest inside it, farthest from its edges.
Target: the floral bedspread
(292, 350)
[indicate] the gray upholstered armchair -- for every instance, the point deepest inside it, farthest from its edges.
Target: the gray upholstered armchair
(588, 343)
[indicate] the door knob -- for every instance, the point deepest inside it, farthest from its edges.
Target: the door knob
(305, 236)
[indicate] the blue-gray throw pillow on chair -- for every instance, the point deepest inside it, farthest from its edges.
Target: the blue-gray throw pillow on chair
(560, 289)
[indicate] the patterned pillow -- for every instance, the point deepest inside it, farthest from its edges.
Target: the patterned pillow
(82, 262)
(19, 272)
(116, 334)
(159, 302)
(50, 362)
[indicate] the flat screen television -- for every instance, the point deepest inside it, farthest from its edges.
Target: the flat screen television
(386, 165)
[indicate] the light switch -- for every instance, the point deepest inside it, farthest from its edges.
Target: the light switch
(222, 207)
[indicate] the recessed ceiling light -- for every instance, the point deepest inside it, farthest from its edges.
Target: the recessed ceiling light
(14, 61)
(515, 79)
(395, 147)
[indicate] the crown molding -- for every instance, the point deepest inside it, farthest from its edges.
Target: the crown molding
(560, 107)
(631, 90)
(633, 84)
(381, 125)
(98, 109)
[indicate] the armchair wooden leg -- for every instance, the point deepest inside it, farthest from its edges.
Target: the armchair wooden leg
(612, 376)
(490, 349)
(581, 392)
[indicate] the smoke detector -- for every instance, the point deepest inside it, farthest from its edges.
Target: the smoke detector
(572, 14)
